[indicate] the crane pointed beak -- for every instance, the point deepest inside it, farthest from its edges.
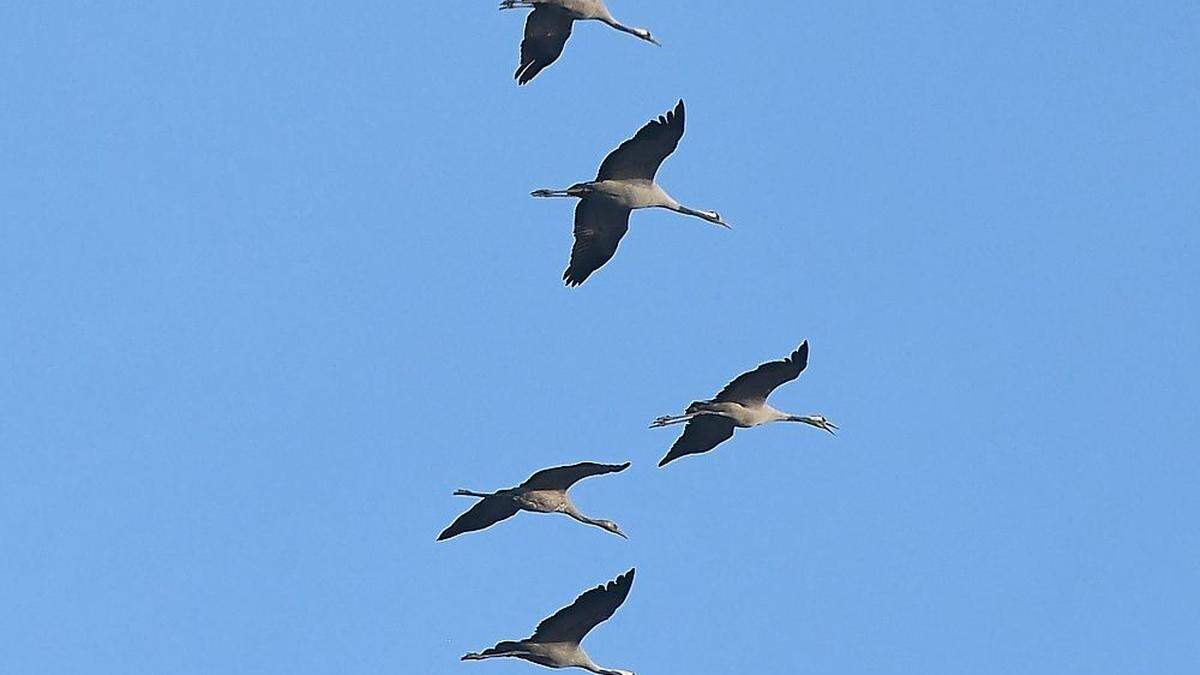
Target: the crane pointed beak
(715, 218)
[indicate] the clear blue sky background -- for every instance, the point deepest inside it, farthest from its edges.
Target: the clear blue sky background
(272, 287)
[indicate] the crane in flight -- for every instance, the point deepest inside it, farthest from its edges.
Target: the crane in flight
(544, 492)
(549, 27)
(625, 182)
(741, 404)
(555, 642)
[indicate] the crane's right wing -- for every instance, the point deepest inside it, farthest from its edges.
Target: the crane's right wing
(640, 156)
(703, 433)
(571, 624)
(599, 226)
(489, 511)
(546, 32)
(757, 385)
(563, 477)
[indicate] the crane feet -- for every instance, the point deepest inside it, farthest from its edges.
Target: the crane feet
(667, 420)
(515, 4)
(550, 193)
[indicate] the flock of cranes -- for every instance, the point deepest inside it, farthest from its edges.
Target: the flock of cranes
(624, 183)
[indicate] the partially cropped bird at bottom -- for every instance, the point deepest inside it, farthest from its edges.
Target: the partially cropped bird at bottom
(555, 643)
(544, 492)
(741, 404)
(625, 182)
(549, 26)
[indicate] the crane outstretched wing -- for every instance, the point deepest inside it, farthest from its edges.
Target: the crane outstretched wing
(756, 385)
(640, 156)
(702, 433)
(563, 477)
(572, 623)
(546, 32)
(489, 511)
(599, 226)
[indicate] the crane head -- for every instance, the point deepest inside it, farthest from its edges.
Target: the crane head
(645, 35)
(817, 421)
(612, 527)
(714, 218)
(820, 422)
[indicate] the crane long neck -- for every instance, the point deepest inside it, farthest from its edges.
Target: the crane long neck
(610, 20)
(588, 664)
(575, 513)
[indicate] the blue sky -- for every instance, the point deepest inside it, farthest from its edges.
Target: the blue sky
(273, 287)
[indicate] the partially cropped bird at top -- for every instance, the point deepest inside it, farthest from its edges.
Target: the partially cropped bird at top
(544, 492)
(625, 182)
(549, 26)
(741, 404)
(555, 642)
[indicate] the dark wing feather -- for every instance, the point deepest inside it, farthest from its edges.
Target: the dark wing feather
(703, 433)
(571, 624)
(506, 648)
(640, 156)
(757, 385)
(599, 226)
(546, 32)
(486, 513)
(563, 477)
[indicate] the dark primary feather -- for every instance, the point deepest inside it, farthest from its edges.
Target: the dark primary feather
(599, 226)
(501, 649)
(757, 385)
(571, 624)
(640, 156)
(702, 433)
(546, 32)
(486, 513)
(563, 477)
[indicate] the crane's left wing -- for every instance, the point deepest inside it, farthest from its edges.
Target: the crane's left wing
(702, 433)
(757, 385)
(640, 156)
(572, 623)
(563, 477)
(487, 512)
(599, 226)
(546, 32)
